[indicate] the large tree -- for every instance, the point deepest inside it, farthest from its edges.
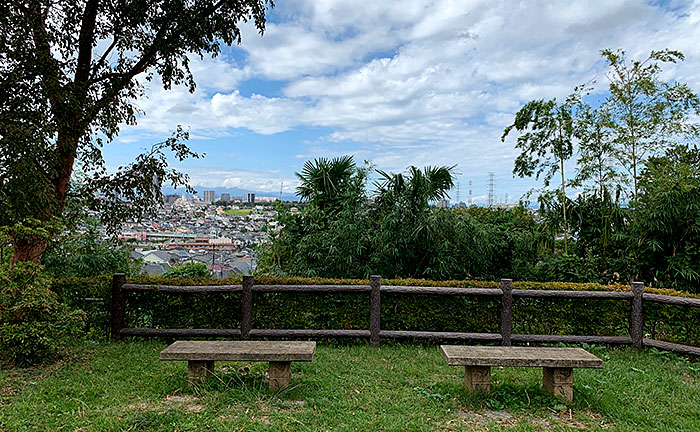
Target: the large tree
(70, 75)
(646, 113)
(546, 141)
(596, 164)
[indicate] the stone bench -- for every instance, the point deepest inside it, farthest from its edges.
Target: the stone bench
(557, 365)
(201, 355)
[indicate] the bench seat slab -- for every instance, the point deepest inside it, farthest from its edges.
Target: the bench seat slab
(201, 355)
(282, 351)
(462, 355)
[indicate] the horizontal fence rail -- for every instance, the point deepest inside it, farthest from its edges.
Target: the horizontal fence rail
(636, 297)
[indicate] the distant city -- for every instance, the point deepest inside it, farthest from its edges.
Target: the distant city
(221, 231)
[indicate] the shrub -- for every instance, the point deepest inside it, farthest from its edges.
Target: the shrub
(86, 254)
(188, 270)
(399, 311)
(34, 325)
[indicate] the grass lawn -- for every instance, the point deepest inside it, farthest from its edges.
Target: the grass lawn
(239, 212)
(123, 386)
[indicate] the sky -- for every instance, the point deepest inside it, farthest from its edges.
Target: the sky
(397, 83)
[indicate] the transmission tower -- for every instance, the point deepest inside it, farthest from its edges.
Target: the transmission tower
(469, 202)
(491, 184)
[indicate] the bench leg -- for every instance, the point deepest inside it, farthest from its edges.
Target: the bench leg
(279, 374)
(477, 379)
(559, 382)
(198, 371)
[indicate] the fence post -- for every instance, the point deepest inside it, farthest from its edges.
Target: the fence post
(637, 315)
(247, 306)
(117, 314)
(375, 311)
(506, 311)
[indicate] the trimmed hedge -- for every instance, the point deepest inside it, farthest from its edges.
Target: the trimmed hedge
(399, 311)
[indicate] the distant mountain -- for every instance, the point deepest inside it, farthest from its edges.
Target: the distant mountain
(234, 192)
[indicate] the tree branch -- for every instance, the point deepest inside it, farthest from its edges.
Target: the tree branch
(147, 59)
(104, 56)
(50, 73)
(87, 31)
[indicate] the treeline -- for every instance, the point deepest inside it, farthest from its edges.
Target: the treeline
(635, 213)
(346, 232)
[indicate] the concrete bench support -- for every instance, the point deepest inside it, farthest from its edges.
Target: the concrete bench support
(279, 374)
(199, 370)
(477, 379)
(559, 382)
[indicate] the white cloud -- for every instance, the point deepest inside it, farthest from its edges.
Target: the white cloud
(257, 180)
(418, 82)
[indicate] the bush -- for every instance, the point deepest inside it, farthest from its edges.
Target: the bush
(188, 270)
(399, 312)
(34, 325)
(87, 254)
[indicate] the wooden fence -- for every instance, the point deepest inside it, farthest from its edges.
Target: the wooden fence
(636, 296)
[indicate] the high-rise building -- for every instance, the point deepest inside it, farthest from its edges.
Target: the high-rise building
(209, 196)
(225, 197)
(250, 197)
(170, 199)
(443, 203)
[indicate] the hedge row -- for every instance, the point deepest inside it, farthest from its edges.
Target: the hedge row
(399, 311)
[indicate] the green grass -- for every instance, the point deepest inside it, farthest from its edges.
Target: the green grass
(239, 212)
(114, 387)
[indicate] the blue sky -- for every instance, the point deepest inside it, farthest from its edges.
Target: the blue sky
(399, 83)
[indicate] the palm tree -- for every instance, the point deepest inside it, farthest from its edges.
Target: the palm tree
(416, 189)
(324, 181)
(405, 234)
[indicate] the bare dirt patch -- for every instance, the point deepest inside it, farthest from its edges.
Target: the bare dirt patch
(483, 419)
(187, 403)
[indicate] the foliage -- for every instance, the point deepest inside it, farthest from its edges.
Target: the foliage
(70, 77)
(83, 254)
(646, 114)
(188, 270)
(613, 134)
(405, 229)
(34, 325)
(667, 218)
(546, 142)
(595, 167)
(329, 183)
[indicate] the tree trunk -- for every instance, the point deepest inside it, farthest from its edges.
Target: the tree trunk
(30, 249)
(563, 204)
(634, 167)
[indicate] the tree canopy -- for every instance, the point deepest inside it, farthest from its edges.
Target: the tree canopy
(70, 75)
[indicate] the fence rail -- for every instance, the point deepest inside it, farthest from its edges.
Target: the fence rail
(636, 297)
